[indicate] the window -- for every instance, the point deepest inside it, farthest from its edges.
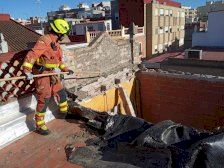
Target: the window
(116, 16)
(178, 14)
(181, 42)
(140, 48)
(166, 29)
(160, 30)
(171, 12)
(156, 12)
(156, 48)
(165, 46)
(167, 12)
(160, 47)
(90, 28)
(174, 36)
(182, 14)
(174, 21)
(108, 26)
(170, 29)
(161, 11)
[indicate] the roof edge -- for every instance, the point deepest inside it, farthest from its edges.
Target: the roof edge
(25, 27)
(4, 17)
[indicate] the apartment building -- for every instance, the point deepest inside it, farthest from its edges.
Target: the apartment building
(72, 13)
(190, 15)
(163, 21)
(115, 14)
(164, 28)
(101, 25)
(210, 6)
(133, 10)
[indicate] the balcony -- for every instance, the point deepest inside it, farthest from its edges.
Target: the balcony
(121, 33)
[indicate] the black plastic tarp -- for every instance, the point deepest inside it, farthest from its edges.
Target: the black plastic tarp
(132, 142)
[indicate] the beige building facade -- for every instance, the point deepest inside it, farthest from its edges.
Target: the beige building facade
(164, 27)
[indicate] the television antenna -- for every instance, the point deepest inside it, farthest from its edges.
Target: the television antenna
(38, 2)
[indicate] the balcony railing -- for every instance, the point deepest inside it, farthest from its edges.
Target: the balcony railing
(115, 33)
(93, 34)
(90, 35)
(140, 30)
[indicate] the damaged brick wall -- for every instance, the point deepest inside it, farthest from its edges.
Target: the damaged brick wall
(196, 102)
(103, 54)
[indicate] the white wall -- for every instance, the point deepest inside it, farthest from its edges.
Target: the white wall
(40, 31)
(84, 14)
(79, 29)
(108, 22)
(214, 37)
(17, 118)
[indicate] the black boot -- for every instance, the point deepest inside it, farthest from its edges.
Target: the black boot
(61, 115)
(43, 130)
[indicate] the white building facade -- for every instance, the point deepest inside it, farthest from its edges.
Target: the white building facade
(80, 28)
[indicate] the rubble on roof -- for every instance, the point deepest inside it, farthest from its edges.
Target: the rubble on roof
(93, 88)
(132, 142)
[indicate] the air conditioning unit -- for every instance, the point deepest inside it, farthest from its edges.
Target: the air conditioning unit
(193, 54)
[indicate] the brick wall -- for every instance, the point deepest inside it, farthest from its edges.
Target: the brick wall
(103, 54)
(126, 16)
(195, 102)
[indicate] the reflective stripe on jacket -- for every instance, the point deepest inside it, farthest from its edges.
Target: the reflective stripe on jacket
(46, 52)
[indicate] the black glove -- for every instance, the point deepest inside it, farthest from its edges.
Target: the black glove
(70, 72)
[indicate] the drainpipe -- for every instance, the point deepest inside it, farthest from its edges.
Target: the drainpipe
(131, 34)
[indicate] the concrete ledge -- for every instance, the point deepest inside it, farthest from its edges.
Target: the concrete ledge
(17, 118)
(194, 62)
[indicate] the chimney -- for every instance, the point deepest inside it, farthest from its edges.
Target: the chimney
(3, 45)
(4, 17)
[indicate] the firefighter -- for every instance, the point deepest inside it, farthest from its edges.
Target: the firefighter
(46, 57)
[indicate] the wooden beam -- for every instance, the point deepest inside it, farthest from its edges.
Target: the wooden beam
(126, 101)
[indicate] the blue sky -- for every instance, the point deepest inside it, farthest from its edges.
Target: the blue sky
(27, 8)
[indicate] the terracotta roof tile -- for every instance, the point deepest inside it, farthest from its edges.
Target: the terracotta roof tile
(18, 36)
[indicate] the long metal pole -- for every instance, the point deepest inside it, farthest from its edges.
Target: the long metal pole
(50, 74)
